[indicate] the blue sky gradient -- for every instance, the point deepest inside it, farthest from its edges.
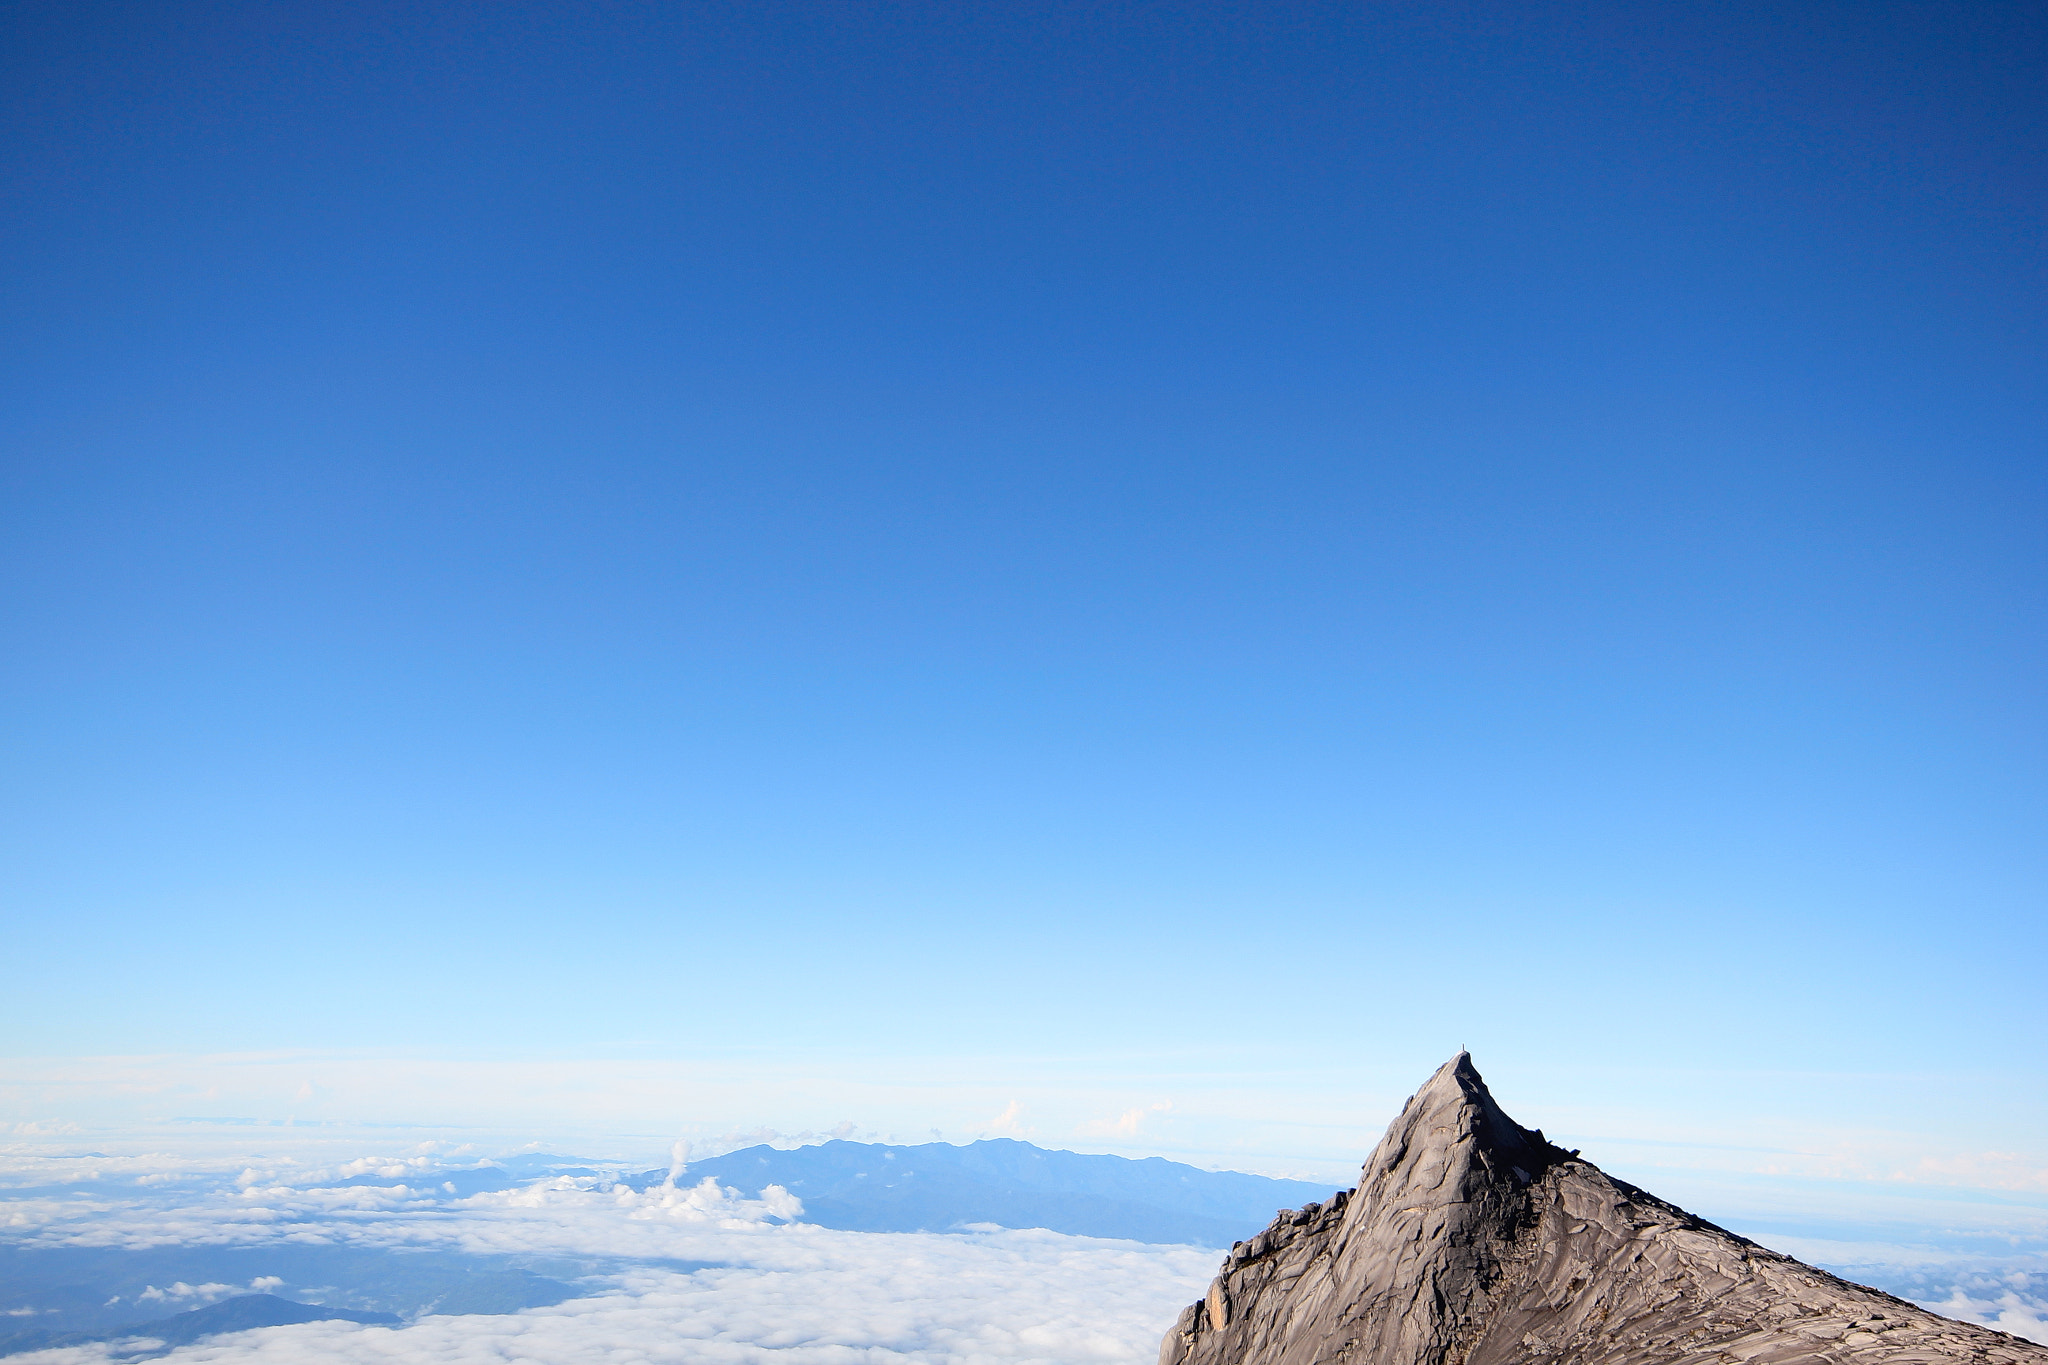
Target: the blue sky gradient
(1281, 539)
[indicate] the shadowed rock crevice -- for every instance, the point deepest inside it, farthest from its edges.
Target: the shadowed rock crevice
(1471, 1240)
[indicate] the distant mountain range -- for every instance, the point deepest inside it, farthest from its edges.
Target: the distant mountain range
(938, 1187)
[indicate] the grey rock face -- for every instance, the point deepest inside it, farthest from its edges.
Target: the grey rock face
(1471, 1240)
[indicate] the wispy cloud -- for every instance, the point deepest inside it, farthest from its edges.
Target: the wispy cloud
(1009, 1123)
(1125, 1125)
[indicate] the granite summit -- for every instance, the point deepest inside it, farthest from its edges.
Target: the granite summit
(1471, 1240)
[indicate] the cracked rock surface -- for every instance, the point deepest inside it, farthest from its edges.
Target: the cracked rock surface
(1471, 1240)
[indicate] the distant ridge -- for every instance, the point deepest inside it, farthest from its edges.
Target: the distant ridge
(933, 1187)
(1471, 1240)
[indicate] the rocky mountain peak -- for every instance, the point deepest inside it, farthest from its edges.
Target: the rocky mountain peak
(1471, 1240)
(1450, 1144)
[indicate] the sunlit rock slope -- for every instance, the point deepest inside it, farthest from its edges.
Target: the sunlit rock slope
(1471, 1240)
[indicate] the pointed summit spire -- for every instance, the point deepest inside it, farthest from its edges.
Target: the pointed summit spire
(1472, 1240)
(1450, 1139)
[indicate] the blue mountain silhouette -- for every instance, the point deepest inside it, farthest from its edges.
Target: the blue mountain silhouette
(936, 1187)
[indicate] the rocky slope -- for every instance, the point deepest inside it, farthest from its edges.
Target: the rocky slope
(1471, 1240)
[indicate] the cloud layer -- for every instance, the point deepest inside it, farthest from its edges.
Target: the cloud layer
(864, 1297)
(787, 1292)
(692, 1270)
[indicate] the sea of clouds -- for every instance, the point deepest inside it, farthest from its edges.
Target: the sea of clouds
(691, 1271)
(687, 1270)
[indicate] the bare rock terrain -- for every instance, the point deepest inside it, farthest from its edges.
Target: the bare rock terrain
(1471, 1240)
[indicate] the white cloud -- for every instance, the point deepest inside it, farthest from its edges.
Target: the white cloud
(203, 1293)
(792, 1294)
(1124, 1125)
(2023, 1315)
(1009, 1121)
(870, 1297)
(783, 1291)
(386, 1167)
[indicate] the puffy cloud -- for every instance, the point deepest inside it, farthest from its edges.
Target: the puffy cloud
(871, 1298)
(780, 1291)
(2018, 1306)
(2008, 1292)
(789, 1293)
(387, 1167)
(1124, 1125)
(777, 1290)
(1009, 1121)
(201, 1293)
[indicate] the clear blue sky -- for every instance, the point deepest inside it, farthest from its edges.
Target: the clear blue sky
(1286, 531)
